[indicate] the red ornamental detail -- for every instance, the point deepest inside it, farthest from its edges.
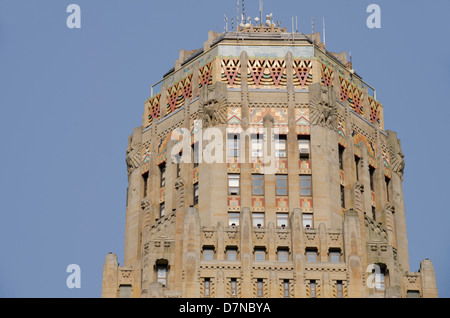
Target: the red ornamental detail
(231, 70)
(205, 74)
(187, 87)
(256, 70)
(302, 74)
(173, 100)
(276, 70)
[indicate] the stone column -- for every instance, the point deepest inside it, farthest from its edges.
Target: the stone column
(353, 249)
(246, 252)
(191, 257)
(110, 271)
(428, 277)
(298, 253)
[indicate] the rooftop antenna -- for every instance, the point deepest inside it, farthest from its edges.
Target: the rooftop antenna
(237, 16)
(312, 29)
(226, 22)
(292, 29)
(260, 10)
(232, 23)
(296, 25)
(243, 11)
(324, 31)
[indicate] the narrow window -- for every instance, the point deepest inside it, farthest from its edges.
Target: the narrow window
(162, 175)
(145, 180)
(179, 165)
(233, 219)
(233, 285)
(233, 184)
(195, 152)
(231, 253)
(373, 213)
(283, 254)
(207, 287)
(339, 288)
(388, 181)
(208, 253)
(307, 220)
(341, 157)
(282, 220)
(259, 286)
(335, 255)
(311, 255)
(258, 219)
(281, 184)
(233, 145)
(260, 254)
(161, 271)
(303, 148)
(162, 209)
(312, 287)
(305, 185)
(257, 145)
(280, 146)
(357, 161)
(342, 196)
(286, 288)
(371, 172)
(257, 184)
(196, 193)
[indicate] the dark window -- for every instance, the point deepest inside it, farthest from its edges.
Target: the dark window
(342, 196)
(388, 181)
(162, 175)
(257, 184)
(145, 180)
(371, 172)
(196, 193)
(357, 161)
(341, 157)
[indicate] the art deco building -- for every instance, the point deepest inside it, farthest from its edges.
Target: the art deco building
(327, 221)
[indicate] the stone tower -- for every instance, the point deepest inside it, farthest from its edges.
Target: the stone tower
(301, 197)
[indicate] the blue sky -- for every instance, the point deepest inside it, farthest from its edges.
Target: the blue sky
(69, 98)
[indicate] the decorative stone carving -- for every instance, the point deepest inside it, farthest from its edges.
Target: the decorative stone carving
(212, 104)
(322, 105)
(396, 154)
(133, 156)
(179, 188)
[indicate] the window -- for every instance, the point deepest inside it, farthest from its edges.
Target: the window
(161, 273)
(412, 294)
(162, 209)
(303, 148)
(257, 145)
(258, 219)
(260, 254)
(207, 283)
(257, 184)
(286, 288)
(311, 255)
(387, 181)
(208, 253)
(374, 217)
(342, 196)
(196, 193)
(233, 184)
(280, 146)
(259, 287)
(162, 175)
(196, 154)
(339, 288)
(335, 255)
(379, 281)
(233, 218)
(233, 286)
(125, 291)
(282, 220)
(145, 180)
(281, 184)
(307, 220)
(312, 288)
(371, 172)
(305, 185)
(341, 157)
(233, 145)
(357, 161)
(283, 254)
(179, 165)
(231, 253)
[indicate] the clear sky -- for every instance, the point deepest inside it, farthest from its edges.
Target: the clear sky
(69, 98)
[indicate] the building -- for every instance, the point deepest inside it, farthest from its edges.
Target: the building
(323, 217)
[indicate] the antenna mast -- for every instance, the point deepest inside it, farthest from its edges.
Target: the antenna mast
(260, 10)
(324, 31)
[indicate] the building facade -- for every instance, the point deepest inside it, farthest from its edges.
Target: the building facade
(303, 197)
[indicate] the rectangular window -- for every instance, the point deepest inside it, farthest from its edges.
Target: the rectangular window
(233, 145)
(196, 193)
(342, 196)
(335, 255)
(281, 184)
(233, 286)
(162, 175)
(371, 172)
(374, 217)
(207, 287)
(311, 255)
(305, 185)
(231, 253)
(259, 287)
(257, 184)
(162, 209)
(307, 220)
(357, 161)
(312, 287)
(339, 289)
(178, 160)
(258, 219)
(145, 180)
(161, 272)
(257, 145)
(208, 253)
(387, 181)
(303, 148)
(341, 157)
(260, 254)
(282, 220)
(286, 288)
(125, 291)
(233, 184)
(233, 218)
(283, 254)
(281, 146)
(195, 154)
